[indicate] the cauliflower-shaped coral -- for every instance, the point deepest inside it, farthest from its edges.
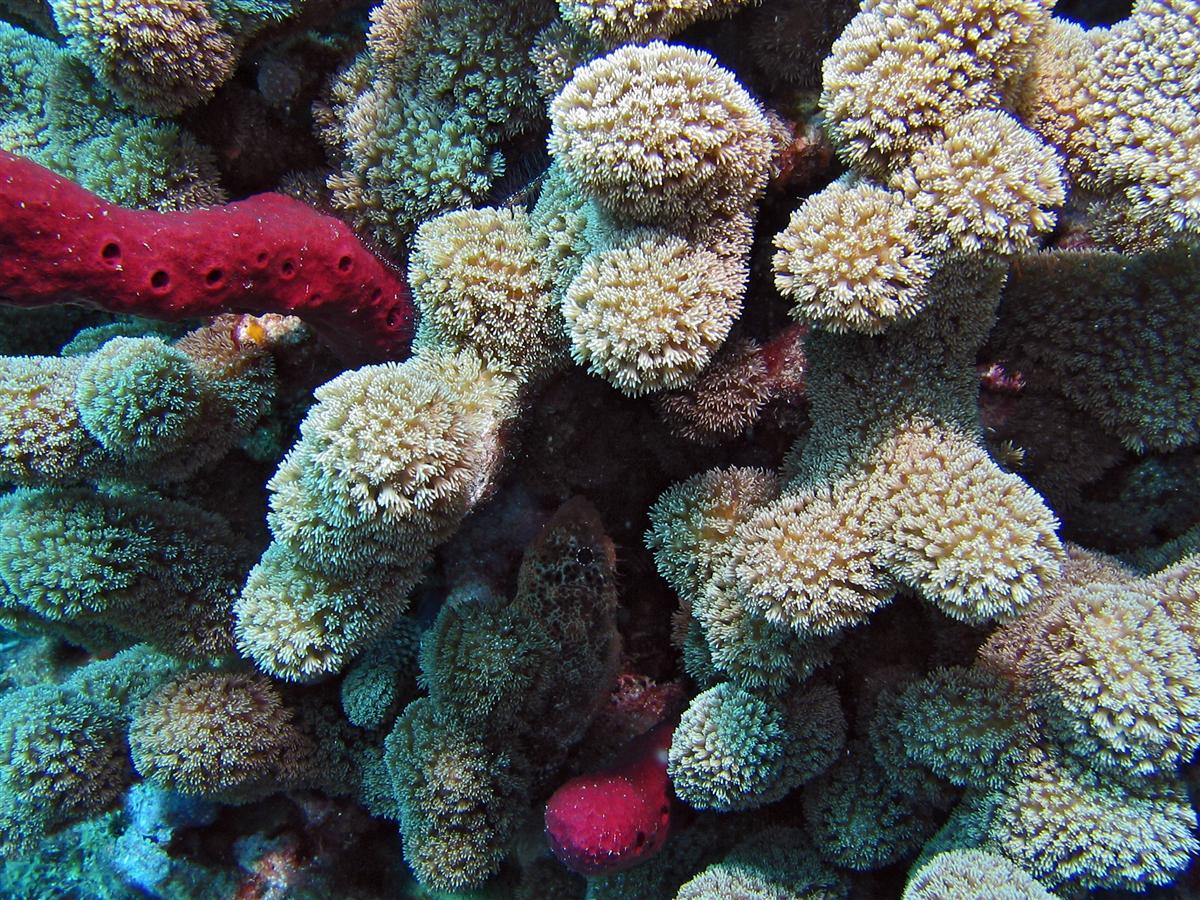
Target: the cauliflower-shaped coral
(851, 259)
(217, 734)
(972, 875)
(390, 458)
(648, 314)
(159, 56)
(660, 133)
(984, 183)
(112, 390)
(300, 623)
(894, 76)
(479, 284)
(733, 750)
(1069, 826)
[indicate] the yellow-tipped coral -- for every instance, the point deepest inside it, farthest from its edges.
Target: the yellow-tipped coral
(479, 284)
(984, 183)
(660, 134)
(648, 314)
(851, 259)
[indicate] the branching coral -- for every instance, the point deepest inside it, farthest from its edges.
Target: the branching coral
(966, 874)
(733, 750)
(215, 734)
(851, 259)
(416, 118)
(660, 134)
(895, 488)
(633, 189)
(984, 183)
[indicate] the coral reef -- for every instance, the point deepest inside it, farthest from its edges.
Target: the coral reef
(599, 449)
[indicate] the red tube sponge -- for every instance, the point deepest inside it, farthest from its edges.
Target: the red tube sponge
(611, 820)
(269, 253)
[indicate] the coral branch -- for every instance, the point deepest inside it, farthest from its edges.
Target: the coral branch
(268, 253)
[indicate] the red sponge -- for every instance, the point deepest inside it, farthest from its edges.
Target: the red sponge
(267, 254)
(613, 819)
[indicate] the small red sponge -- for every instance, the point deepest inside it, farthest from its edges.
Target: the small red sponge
(613, 819)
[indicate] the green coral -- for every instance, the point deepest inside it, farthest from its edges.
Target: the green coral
(114, 566)
(63, 755)
(733, 750)
(137, 397)
(964, 725)
(384, 678)
(458, 798)
(776, 862)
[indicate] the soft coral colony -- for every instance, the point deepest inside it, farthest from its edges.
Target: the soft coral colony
(639, 449)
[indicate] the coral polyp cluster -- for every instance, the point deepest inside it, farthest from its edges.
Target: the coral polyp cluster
(599, 449)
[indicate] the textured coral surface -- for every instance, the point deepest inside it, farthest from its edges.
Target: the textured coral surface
(588, 449)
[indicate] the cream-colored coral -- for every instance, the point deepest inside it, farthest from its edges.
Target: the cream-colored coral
(984, 183)
(479, 284)
(1056, 96)
(692, 523)
(635, 21)
(301, 624)
(1072, 828)
(650, 313)
(41, 435)
(972, 875)
(975, 540)
(392, 37)
(851, 260)
(390, 458)
(161, 56)
(661, 134)
(217, 734)
(1119, 679)
(808, 560)
(901, 71)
